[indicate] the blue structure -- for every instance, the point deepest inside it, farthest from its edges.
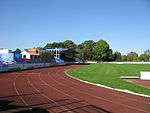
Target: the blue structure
(57, 53)
(17, 56)
(58, 60)
(7, 58)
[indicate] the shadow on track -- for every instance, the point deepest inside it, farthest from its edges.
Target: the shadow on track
(8, 106)
(5, 106)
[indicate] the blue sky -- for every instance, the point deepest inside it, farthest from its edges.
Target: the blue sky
(124, 24)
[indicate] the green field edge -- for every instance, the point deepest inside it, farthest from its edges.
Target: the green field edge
(134, 87)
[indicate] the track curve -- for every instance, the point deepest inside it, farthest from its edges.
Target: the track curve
(50, 90)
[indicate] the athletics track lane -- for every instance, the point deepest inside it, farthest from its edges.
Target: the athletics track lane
(50, 90)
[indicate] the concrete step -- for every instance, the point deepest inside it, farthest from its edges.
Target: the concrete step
(129, 77)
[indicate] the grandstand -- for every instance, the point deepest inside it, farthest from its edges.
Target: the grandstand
(57, 54)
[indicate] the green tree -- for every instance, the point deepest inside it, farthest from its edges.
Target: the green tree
(46, 56)
(117, 56)
(123, 58)
(85, 50)
(111, 55)
(80, 53)
(101, 50)
(18, 51)
(132, 56)
(147, 52)
(54, 44)
(144, 57)
(71, 48)
(70, 44)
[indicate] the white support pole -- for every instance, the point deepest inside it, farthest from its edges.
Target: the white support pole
(56, 52)
(59, 53)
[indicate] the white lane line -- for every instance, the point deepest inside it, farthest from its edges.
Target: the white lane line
(57, 89)
(63, 108)
(26, 104)
(101, 97)
(128, 98)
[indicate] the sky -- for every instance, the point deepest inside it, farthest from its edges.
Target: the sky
(124, 24)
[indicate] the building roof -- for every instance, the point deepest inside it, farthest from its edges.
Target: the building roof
(55, 48)
(30, 53)
(33, 53)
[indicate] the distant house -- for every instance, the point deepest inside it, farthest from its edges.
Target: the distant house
(2, 50)
(30, 55)
(35, 51)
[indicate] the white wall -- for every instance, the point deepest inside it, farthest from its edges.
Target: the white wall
(5, 51)
(28, 56)
(145, 76)
(128, 62)
(13, 67)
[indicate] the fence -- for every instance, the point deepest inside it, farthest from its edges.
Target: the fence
(15, 67)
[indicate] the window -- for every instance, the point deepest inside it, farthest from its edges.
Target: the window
(37, 51)
(31, 56)
(24, 56)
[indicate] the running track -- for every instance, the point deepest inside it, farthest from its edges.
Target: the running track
(49, 90)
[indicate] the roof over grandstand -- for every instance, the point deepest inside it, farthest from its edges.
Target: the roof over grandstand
(55, 48)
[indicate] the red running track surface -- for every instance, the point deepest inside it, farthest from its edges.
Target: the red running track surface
(49, 90)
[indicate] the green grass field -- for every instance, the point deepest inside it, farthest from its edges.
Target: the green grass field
(109, 75)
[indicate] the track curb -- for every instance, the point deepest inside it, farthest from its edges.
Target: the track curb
(100, 85)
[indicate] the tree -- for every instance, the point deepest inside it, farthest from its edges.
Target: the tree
(80, 53)
(111, 55)
(144, 57)
(123, 58)
(132, 56)
(85, 50)
(18, 51)
(117, 56)
(101, 50)
(46, 56)
(147, 52)
(69, 44)
(48, 45)
(71, 48)
(54, 44)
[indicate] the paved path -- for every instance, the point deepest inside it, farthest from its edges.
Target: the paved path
(49, 90)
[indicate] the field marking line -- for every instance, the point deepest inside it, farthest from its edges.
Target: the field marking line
(26, 104)
(63, 108)
(100, 85)
(107, 93)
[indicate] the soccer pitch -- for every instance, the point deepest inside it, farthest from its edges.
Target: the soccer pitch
(109, 75)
